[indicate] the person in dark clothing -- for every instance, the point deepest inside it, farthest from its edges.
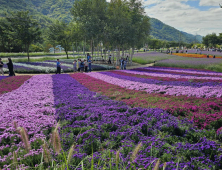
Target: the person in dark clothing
(58, 65)
(10, 67)
(82, 66)
(1, 67)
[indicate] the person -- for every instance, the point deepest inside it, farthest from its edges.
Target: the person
(207, 55)
(127, 58)
(89, 62)
(214, 56)
(81, 66)
(1, 67)
(86, 66)
(79, 62)
(58, 65)
(77, 65)
(109, 62)
(10, 67)
(74, 66)
(124, 63)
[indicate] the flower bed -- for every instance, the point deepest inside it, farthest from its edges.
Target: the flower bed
(30, 106)
(3, 77)
(205, 112)
(12, 83)
(151, 57)
(163, 88)
(104, 124)
(196, 55)
(49, 66)
(21, 69)
(196, 63)
(98, 124)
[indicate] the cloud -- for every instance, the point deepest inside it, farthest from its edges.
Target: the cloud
(186, 18)
(209, 2)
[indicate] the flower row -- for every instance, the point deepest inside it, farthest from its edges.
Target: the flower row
(195, 55)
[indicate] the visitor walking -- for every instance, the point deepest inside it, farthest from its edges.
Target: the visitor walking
(79, 62)
(127, 58)
(89, 62)
(81, 66)
(1, 67)
(58, 65)
(109, 62)
(121, 63)
(74, 66)
(124, 63)
(86, 66)
(10, 67)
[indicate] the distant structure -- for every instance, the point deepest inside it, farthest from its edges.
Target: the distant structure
(58, 48)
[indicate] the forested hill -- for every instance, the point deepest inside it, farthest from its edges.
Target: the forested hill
(42, 9)
(47, 10)
(159, 30)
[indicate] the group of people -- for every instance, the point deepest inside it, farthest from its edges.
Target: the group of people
(80, 65)
(123, 62)
(10, 67)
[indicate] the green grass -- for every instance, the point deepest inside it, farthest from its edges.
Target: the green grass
(6, 55)
(41, 59)
(195, 63)
(141, 60)
(214, 67)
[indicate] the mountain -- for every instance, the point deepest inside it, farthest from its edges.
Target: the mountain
(159, 30)
(47, 10)
(41, 9)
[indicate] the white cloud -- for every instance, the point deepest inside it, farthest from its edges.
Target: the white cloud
(209, 2)
(186, 18)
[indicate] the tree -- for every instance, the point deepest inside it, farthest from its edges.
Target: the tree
(51, 35)
(118, 24)
(91, 14)
(220, 38)
(63, 35)
(25, 29)
(211, 40)
(140, 25)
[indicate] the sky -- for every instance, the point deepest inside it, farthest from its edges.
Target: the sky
(199, 17)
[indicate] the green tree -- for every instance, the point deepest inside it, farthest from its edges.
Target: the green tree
(52, 35)
(210, 40)
(91, 15)
(64, 35)
(139, 26)
(220, 38)
(25, 29)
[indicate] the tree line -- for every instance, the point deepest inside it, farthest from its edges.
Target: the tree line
(118, 24)
(212, 40)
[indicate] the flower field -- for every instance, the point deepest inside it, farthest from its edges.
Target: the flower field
(49, 66)
(196, 55)
(124, 119)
